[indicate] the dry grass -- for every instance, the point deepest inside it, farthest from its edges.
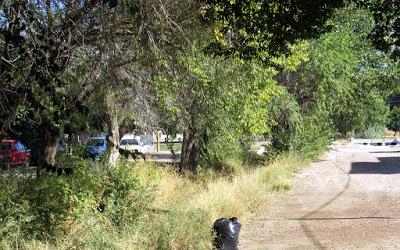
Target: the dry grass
(341, 142)
(187, 207)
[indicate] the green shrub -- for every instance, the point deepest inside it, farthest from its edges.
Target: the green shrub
(51, 207)
(372, 132)
(312, 136)
(15, 216)
(56, 202)
(125, 198)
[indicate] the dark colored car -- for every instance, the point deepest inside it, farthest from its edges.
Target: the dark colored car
(14, 153)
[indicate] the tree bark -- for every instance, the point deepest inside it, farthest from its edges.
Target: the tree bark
(45, 146)
(113, 130)
(51, 140)
(190, 151)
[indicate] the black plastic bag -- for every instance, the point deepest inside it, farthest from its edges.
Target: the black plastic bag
(226, 233)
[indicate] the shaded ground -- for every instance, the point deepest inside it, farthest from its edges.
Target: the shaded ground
(350, 199)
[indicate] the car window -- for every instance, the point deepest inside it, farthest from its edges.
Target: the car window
(20, 146)
(129, 142)
(5, 145)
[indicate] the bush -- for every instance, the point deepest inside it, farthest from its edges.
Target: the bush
(372, 133)
(312, 136)
(51, 207)
(307, 131)
(125, 198)
(57, 202)
(15, 216)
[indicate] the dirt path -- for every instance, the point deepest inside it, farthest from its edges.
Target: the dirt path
(350, 199)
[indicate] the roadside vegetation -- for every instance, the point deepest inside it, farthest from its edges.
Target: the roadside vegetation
(134, 205)
(223, 75)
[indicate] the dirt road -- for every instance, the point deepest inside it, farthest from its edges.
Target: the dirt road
(350, 199)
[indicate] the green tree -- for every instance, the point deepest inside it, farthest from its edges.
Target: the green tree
(255, 28)
(340, 85)
(57, 54)
(41, 43)
(215, 101)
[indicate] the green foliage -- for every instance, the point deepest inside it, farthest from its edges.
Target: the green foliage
(285, 114)
(306, 131)
(124, 197)
(372, 132)
(394, 119)
(255, 28)
(56, 202)
(385, 34)
(52, 207)
(15, 215)
(221, 100)
(340, 85)
(313, 135)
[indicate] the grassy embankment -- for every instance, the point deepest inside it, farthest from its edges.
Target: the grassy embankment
(181, 212)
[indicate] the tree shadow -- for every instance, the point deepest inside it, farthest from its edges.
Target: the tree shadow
(306, 229)
(386, 165)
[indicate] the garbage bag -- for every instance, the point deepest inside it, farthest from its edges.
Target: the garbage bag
(226, 233)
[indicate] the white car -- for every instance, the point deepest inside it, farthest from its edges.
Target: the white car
(131, 143)
(136, 143)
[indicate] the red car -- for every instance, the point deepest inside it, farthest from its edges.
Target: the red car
(13, 153)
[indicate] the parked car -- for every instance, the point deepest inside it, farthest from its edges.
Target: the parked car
(14, 153)
(135, 146)
(148, 144)
(60, 148)
(96, 146)
(131, 143)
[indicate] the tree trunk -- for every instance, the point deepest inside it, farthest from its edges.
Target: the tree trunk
(45, 147)
(113, 130)
(50, 143)
(190, 152)
(194, 157)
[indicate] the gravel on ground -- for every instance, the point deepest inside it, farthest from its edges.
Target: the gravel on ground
(349, 199)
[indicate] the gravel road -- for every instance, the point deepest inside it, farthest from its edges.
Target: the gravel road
(349, 199)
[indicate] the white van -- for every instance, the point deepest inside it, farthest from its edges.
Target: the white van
(131, 143)
(135, 144)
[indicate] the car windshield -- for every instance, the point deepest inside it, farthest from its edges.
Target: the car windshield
(5, 145)
(129, 142)
(20, 146)
(96, 142)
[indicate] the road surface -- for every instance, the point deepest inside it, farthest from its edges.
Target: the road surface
(349, 199)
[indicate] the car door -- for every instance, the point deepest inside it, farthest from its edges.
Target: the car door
(21, 153)
(18, 153)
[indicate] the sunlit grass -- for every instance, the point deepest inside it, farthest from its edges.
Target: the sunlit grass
(184, 208)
